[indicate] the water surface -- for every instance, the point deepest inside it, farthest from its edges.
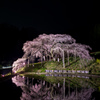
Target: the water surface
(58, 87)
(50, 87)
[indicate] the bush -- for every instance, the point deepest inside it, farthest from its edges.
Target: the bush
(98, 61)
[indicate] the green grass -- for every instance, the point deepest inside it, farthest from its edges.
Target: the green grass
(93, 66)
(38, 67)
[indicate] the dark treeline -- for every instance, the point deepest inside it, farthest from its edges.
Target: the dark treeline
(12, 39)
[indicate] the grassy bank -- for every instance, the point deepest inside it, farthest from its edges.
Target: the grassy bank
(93, 67)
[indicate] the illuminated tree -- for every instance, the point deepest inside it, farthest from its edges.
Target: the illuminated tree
(55, 46)
(59, 51)
(78, 50)
(49, 45)
(18, 64)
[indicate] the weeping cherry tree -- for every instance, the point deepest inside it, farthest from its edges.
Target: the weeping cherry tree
(55, 45)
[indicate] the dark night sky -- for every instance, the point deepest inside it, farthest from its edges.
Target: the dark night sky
(25, 19)
(43, 15)
(46, 15)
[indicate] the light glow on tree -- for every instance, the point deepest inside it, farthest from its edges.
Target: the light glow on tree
(55, 46)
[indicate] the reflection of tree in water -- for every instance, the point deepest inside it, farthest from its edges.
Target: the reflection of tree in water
(34, 89)
(84, 94)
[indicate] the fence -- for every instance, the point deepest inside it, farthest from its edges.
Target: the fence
(67, 71)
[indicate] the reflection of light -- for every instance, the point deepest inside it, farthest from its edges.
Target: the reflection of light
(6, 67)
(3, 75)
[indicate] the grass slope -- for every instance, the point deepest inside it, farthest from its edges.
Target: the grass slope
(93, 67)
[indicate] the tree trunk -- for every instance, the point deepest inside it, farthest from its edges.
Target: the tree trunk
(41, 53)
(41, 61)
(68, 58)
(54, 59)
(75, 56)
(81, 62)
(50, 58)
(58, 59)
(28, 61)
(69, 88)
(64, 89)
(44, 58)
(76, 92)
(63, 60)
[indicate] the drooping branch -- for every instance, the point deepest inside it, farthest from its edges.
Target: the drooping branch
(64, 45)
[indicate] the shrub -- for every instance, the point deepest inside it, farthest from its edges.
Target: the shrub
(98, 61)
